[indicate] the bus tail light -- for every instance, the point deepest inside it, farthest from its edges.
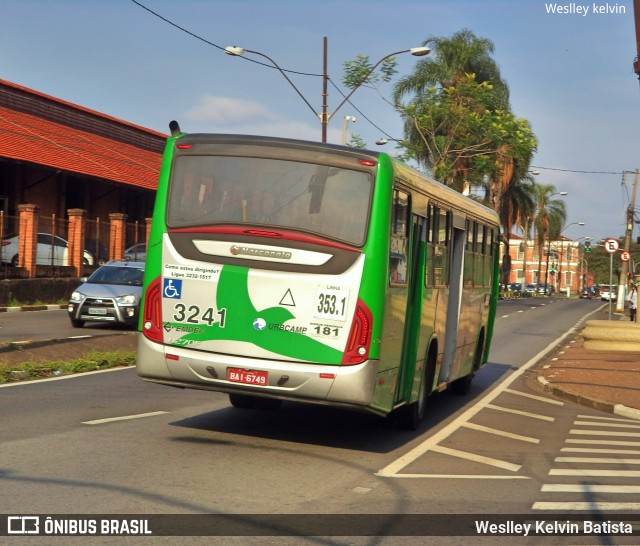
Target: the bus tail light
(359, 341)
(152, 318)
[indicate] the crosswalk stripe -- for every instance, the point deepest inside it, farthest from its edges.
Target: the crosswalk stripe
(598, 460)
(588, 488)
(591, 506)
(605, 433)
(593, 472)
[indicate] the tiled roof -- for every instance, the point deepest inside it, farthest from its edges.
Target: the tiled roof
(25, 137)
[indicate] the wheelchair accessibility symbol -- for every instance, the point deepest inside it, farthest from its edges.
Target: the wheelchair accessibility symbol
(172, 288)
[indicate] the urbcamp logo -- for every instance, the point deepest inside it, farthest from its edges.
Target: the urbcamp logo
(259, 324)
(260, 252)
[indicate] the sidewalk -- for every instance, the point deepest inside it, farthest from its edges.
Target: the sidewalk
(604, 380)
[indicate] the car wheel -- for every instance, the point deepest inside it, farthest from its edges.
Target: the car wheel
(14, 261)
(77, 323)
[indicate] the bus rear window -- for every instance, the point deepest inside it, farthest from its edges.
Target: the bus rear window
(327, 201)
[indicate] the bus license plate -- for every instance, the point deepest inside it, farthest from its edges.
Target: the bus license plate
(248, 377)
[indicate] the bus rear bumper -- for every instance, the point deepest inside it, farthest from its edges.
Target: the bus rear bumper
(188, 368)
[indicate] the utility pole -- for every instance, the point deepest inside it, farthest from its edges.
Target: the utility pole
(624, 270)
(636, 62)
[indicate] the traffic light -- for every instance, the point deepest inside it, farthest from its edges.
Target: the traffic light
(587, 246)
(553, 269)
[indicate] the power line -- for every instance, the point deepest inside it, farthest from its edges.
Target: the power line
(577, 171)
(221, 48)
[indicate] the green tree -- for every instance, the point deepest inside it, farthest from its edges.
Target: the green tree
(450, 59)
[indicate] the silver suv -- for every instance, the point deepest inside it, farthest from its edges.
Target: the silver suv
(111, 294)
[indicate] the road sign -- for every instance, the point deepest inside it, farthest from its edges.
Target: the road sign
(611, 245)
(625, 256)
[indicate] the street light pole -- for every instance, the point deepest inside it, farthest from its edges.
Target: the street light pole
(324, 115)
(346, 121)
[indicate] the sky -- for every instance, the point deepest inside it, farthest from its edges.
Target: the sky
(569, 68)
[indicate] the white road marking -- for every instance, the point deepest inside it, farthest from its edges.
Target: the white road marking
(609, 424)
(603, 442)
(392, 469)
(590, 506)
(497, 432)
(62, 377)
(477, 458)
(596, 460)
(124, 418)
(604, 433)
(535, 397)
(597, 450)
(519, 412)
(597, 473)
(601, 418)
(588, 488)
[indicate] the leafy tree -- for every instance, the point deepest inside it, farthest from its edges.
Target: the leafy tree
(356, 142)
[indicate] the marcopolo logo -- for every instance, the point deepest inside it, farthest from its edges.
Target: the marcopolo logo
(260, 252)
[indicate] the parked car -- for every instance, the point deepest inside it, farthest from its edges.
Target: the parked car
(608, 292)
(111, 294)
(136, 252)
(586, 294)
(52, 250)
(515, 287)
(541, 288)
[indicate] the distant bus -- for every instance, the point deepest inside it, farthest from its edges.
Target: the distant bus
(287, 270)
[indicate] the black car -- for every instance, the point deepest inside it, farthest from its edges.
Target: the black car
(111, 294)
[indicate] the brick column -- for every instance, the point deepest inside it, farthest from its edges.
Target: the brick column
(148, 233)
(77, 230)
(28, 237)
(117, 235)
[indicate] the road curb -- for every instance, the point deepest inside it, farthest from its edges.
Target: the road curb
(22, 308)
(594, 403)
(29, 344)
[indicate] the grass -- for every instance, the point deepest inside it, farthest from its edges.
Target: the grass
(41, 369)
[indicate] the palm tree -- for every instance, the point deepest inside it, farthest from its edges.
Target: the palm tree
(549, 217)
(451, 58)
(518, 205)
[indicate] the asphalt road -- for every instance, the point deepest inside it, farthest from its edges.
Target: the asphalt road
(109, 443)
(43, 325)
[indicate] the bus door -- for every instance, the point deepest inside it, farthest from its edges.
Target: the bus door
(415, 295)
(458, 241)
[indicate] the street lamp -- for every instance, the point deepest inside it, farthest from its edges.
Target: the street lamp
(346, 121)
(324, 116)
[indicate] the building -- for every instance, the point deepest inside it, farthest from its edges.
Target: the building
(59, 156)
(562, 264)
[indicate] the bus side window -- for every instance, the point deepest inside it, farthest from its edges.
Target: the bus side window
(398, 252)
(441, 247)
(431, 230)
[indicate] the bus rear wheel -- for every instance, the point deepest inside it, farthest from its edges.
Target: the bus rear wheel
(411, 415)
(242, 401)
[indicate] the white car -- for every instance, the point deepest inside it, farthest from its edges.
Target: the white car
(608, 293)
(52, 250)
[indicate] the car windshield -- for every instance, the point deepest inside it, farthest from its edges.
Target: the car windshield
(117, 275)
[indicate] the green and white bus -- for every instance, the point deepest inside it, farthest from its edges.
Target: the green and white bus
(288, 270)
